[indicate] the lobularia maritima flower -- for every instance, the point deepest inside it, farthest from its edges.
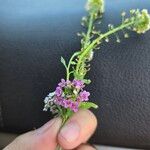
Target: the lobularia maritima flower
(68, 94)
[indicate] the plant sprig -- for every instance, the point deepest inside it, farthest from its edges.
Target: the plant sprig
(95, 9)
(79, 63)
(70, 96)
(139, 21)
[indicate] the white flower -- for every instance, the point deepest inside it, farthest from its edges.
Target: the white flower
(96, 6)
(142, 23)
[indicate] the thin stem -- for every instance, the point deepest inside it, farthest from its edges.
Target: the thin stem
(98, 40)
(63, 123)
(85, 44)
(58, 147)
(88, 35)
(90, 26)
(69, 64)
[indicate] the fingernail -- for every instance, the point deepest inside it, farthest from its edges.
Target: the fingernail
(70, 132)
(46, 126)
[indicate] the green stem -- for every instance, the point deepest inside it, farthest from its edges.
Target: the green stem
(69, 64)
(63, 123)
(85, 45)
(98, 40)
(58, 148)
(90, 26)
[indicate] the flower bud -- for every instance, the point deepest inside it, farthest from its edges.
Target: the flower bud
(142, 21)
(95, 6)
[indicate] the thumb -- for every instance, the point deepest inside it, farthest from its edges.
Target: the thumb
(44, 138)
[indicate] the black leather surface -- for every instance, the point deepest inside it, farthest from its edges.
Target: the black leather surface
(35, 34)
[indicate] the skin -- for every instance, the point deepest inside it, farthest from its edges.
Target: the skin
(73, 135)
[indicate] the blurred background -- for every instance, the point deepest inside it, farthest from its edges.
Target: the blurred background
(35, 34)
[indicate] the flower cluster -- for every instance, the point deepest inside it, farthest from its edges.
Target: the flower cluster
(96, 6)
(68, 94)
(141, 20)
(143, 23)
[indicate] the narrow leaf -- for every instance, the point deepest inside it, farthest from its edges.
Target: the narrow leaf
(87, 81)
(88, 105)
(63, 62)
(73, 63)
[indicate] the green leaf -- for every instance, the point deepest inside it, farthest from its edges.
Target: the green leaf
(72, 72)
(87, 81)
(63, 62)
(73, 63)
(88, 105)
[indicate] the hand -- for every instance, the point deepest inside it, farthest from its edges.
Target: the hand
(72, 135)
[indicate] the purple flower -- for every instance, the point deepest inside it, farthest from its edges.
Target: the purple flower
(64, 103)
(84, 95)
(79, 84)
(75, 85)
(75, 106)
(58, 91)
(69, 103)
(62, 83)
(68, 82)
(58, 101)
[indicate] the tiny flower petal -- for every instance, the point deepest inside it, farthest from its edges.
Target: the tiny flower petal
(58, 91)
(62, 83)
(65, 94)
(78, 84)
(58, 101)
(68, 82)
(84, 95)
(74, 106)
(69, 103)
(64, 103)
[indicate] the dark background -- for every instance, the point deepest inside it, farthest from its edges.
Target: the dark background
(35, 34)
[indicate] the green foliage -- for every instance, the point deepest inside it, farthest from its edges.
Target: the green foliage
(139, 21)
(87, 81)
(78, 66)
(88, 105)
(63, 62)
